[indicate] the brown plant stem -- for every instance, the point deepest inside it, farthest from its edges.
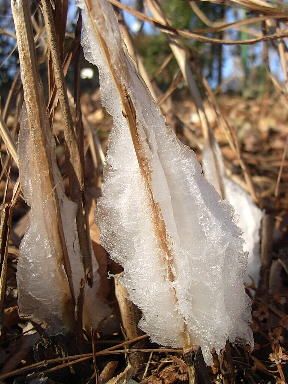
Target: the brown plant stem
(177, 33)
(76, 162)
(38, 122)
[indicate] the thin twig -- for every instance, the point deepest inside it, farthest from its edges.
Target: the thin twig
(88, 356)
(176, 33)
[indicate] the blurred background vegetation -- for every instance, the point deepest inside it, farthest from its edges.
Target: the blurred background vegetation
(240, 69)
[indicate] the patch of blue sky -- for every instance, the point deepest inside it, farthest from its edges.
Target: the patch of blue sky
(135, 24)
(255, 51)
(230, 53)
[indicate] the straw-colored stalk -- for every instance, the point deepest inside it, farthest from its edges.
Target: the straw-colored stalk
(37, 120)
(77, 175)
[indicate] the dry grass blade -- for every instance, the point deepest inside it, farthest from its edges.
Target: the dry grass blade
(177, 79)
(177, 33)
(153, 88)
(5, 223)
(130, 316)
(8, 140)
(277, 187)
(267, 8)
(182, 59)
(6, 211)
(94, 142)
(62, 94)
(77, 176)
(138, 61)
(201, 15)
(10, 95)
(233, 141)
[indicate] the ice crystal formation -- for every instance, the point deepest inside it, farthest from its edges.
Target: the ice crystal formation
(248, 215)
(43, 291)
(50, 271)
(181, 251)
(42, 284)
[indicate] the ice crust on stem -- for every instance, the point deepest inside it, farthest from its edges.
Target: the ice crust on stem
(49, 271)
(42, 284)
(248, 215)
(177, 241)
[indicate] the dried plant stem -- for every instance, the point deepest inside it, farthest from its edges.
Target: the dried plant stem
(267, 8)
(233, 141)
(8, 140)
(201, 16)
(130, 316)
(177, 78)
(6, 212)
(73, 358)
(12, 132)
(5, 224)
(176, 33)
(130, 114)
(153, 88)
(182, 59)
(77, 176)
(38, 122)
(277, 187)
(94, 141)
(108, 371)
(9, 96)
(132, 52)
(191, 374)
(69, 132)
(267, 232)
(219, 26)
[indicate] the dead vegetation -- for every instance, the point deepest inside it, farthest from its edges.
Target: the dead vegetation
(252, 134)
